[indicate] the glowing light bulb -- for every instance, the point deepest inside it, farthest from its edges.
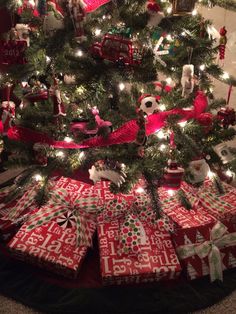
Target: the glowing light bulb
(37, 177)
(162, 107)
(171, 192)
(68, 139)
(229, 173)
(182, 124)
(169, 10)
(162, 147)
(79, 53)
(211, 174)
(202, 67)
(169, 37)
(98, 32)
(225, 75)
(60, 154)
(140, 190)
(160, 134)
(194, 12)
(81, 155)
(121, 86)
(168, 80)
(48, 59)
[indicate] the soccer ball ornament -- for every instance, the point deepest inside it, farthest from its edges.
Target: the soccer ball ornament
(149, 103)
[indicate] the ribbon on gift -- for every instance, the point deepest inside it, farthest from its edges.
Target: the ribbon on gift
(27, 200)
(219, 238)
(84, 210)
(132, 234)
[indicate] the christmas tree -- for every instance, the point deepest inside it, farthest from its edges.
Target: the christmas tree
(122, 89)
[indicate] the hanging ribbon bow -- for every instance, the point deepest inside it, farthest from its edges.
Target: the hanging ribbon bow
(219, 238)
(132, 234)
(83, 209)
(26, 201)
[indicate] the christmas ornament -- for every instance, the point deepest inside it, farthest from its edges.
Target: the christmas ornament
(117, 49)
(69, 79)
(102, 171)
(40, 154)
(8, 110)
(225, 151)
(102, 127)
(226, 117)
(29, 7)
(149, 103)
(153, 7)
(35, 91)
(183, 7)
(205, 119)
(12, 52)
(222, 42)
(173, 176)
(23, 32)
(187, 80)
(55, 94)
(54, 20)
(198, 170)
(77, 14)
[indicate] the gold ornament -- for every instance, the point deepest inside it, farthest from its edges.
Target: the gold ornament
(183, 7)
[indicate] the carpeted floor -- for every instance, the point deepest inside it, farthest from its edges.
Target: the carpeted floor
(227, 306)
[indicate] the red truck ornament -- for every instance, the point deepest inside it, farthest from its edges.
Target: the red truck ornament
(118, 49)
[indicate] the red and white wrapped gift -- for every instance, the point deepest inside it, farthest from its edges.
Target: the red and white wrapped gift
(58, 235)
(131, 250)
(221, 206)
(13, 213)
(207, 250)
(182, 217)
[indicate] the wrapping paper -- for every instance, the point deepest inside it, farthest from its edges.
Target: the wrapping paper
(50, 246)
(208, 250)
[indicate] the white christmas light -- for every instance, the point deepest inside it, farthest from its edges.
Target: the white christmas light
(169, 37)
(202, 67)
(162, 147)
(162, 107)
(48, 59)
(68, 139)
(160, 134)
(225, 75)
(98, 32)
(168, 80)
(211, 174)
(229, 173)
(121, 86)
(81, 155)
(171, 192)
(79, 53)
(60, 154)
(183, 33)
(169, 10)
(182, 124)
(194, 12)
(37, 177)
(140, 190)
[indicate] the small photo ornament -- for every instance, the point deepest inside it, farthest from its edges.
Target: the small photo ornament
(183, 7)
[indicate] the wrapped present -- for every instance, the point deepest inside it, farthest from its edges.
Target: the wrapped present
(207, 251)
(57, 235)
(221, 206)
(14, 213)
(132, 250)
(180, 216)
